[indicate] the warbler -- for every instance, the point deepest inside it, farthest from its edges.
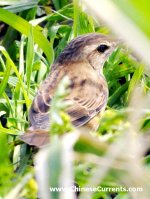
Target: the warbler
(82, 61)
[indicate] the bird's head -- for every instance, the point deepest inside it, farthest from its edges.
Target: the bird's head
(93, 48)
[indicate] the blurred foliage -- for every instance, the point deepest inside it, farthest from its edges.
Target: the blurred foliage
(138, 11)
(7, 175)
(60, 121)
(33, 33)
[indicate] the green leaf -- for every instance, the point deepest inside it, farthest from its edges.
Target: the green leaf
(8, 131)
(88, 144)
(2, 49)
(8, 2)
(29, 58)
(82, 22)
(6, 169)
(5, 78)
(13, 194)
(24, 27)
(135, 79)
(21, 6)
(76, 15)
(59, 3)
(117, 94)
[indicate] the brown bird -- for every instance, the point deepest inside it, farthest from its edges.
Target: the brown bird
(82, 61)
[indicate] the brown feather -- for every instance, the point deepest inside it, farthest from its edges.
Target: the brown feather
(38, 138)
(82, 63)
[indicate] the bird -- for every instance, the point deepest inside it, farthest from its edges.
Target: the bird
(82, 60)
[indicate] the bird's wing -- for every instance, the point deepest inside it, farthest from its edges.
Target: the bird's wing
(39, 111)
(88, 96)
(87, 101)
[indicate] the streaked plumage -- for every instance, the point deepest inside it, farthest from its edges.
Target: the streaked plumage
(82, 61)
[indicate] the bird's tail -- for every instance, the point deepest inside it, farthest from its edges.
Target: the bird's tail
(36, 137)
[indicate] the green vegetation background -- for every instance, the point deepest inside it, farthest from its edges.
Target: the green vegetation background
(32, 36)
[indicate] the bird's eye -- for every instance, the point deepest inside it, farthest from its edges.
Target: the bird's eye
(102, 48)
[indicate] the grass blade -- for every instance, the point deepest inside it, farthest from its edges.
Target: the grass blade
(29, 58)
(2, 49)
(24, 27)
(21, 6)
